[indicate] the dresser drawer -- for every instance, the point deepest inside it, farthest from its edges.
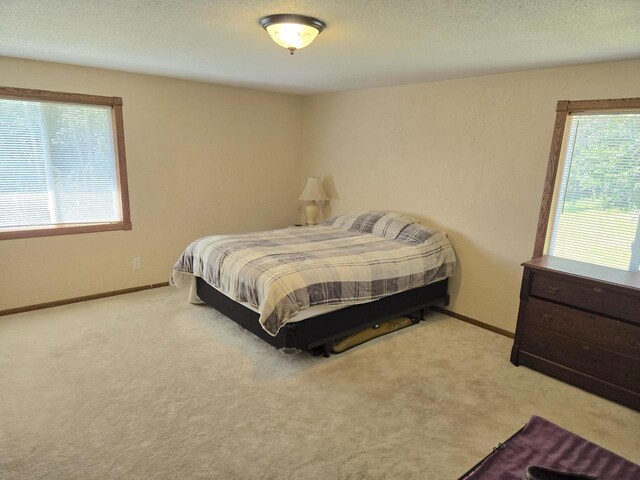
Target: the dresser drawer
(582, 356)
(611, 334)
(584, 294)
(592, 384)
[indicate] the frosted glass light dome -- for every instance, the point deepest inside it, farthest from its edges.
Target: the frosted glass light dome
(292, 32)
(292, 35)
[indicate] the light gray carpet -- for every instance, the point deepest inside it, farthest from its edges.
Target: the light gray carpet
(147, 386)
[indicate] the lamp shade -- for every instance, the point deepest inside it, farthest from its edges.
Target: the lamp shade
(313, 190)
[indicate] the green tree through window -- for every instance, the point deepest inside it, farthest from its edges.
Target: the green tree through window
(596, 213)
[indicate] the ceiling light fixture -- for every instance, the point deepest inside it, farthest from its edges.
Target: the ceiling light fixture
(292, 31)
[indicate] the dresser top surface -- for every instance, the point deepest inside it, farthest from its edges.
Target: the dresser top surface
(584, 270)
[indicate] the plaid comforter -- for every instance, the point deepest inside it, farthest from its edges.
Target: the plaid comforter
(347, 260)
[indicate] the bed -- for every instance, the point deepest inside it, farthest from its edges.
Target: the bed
(304, 288)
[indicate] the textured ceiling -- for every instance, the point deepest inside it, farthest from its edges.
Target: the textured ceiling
(367, 43)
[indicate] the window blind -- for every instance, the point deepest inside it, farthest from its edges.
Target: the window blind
(57, 164)
(596, 207)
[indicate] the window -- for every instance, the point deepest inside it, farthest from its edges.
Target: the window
(593, 213)
(62, 164)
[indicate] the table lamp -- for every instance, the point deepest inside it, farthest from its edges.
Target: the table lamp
(312, 193)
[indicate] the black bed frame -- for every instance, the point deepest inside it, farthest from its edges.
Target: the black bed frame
(317, 334)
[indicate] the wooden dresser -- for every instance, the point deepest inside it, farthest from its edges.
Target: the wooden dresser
(580, 323)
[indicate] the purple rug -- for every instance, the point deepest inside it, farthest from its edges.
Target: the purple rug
(541, 442)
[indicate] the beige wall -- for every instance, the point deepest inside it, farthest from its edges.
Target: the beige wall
(467, 156)
(201, 159)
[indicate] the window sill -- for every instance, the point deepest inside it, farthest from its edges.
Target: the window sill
(69, 229)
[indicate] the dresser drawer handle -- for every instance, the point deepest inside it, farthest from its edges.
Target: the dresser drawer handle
(541, 345)
(586, 348)
(551, 289)
(598, 289)
(547, 317)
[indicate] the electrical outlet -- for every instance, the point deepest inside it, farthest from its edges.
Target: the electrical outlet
(137, 263)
